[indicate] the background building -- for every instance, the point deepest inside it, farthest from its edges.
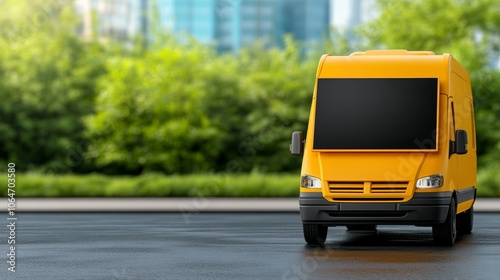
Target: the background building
(229, 24)
(117, 19)
(347, 15)
(232, 24)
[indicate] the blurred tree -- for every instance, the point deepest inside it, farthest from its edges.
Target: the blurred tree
(469, 30)
(149, 114)
(177, 107)
(182, 109)
(279, 85)
(47, 81)
(274, 95)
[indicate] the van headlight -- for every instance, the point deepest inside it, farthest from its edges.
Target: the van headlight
(433, 181)
(310, 182)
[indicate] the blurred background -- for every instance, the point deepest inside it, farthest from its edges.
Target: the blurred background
(199, 97)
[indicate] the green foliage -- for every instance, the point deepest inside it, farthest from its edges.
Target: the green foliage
(486, 92)
(470, 31)
(277, 85)
(182, 109)
(174, 106)
(488, 179)
(193, 185)
(466, 29)
(155, 185)
(148, 112)
(46, 85)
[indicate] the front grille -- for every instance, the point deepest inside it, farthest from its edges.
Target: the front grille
(346, 187)
(369, 199)
(399, 187)
(369, 191)
(367, 214)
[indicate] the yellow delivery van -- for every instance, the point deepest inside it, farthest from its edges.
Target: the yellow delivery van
(390, 141)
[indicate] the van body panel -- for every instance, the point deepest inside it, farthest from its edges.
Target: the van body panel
(378, 186)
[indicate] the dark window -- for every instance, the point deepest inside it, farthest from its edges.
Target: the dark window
(382, 113)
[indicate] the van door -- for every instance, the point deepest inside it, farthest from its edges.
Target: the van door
(453, 161)
(467, 162)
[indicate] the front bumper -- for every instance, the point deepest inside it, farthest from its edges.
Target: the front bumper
(424, 209)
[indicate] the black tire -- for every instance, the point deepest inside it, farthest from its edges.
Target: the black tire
(446, 233)
(361, 227)
(315, 234)
(465, 221)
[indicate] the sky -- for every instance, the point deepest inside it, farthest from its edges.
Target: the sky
(340, 11)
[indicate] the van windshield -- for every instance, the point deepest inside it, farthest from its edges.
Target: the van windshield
(376, 113)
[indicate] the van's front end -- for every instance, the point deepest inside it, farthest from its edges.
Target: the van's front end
(378, 145)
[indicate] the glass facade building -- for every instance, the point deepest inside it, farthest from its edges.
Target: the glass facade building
(117, 19)
(229, 24)
(193, 17)
(232, 24)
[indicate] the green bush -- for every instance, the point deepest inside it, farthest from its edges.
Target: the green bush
(198, 185)
(488, 182)
(155, 185)
(47, 85)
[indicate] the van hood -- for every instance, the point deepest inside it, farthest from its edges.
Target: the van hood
(369, 177)
(364, 167)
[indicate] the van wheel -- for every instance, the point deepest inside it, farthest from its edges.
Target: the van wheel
(361, 227)
(465, 221)
(315, 234)
(446, 233)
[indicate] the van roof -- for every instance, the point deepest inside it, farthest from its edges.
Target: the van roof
(392, 52)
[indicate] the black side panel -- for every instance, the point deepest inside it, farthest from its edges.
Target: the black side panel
(466, 194)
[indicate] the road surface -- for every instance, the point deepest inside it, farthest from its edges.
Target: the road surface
(237, 246)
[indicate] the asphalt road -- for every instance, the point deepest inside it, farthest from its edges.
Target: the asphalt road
(237, 246)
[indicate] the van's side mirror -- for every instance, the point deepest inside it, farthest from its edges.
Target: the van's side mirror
(461, 142)
(296, 147)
